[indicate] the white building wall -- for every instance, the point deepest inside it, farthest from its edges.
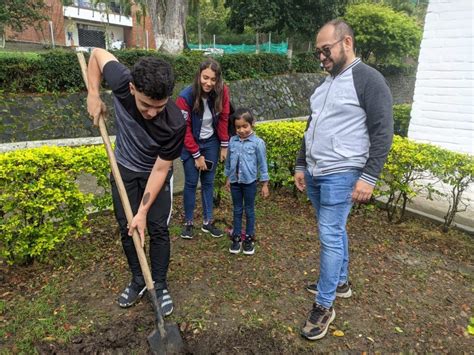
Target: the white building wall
(443, 103)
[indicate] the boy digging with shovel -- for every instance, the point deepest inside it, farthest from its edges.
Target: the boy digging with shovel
(150, 134)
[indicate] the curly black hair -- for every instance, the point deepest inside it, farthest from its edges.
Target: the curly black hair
(153, 77)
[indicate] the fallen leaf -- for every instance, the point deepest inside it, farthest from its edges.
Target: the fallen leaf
(399, 330)
(338, 333)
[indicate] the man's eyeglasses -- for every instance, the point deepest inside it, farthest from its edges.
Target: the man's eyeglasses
(326, 50)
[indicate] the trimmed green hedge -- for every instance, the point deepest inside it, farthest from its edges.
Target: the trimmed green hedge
(305, 63)
(41, 204)
(401, 119)
(58, 70)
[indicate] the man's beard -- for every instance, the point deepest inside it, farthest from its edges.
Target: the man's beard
(337, 66)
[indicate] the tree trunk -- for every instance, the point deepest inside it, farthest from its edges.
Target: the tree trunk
(168, 18)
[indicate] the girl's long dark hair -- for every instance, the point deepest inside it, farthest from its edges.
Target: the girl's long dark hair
(216, 93)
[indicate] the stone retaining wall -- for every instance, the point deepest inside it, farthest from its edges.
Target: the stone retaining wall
(59, 116)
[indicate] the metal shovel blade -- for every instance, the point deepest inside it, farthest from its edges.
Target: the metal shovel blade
(169, 343)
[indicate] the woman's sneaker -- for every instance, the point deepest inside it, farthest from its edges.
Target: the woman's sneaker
(132, 293)
(235, 244)
(211, 228)
(248, 245)
(187, 231)
(317, 324)
(342, 291)
(166, 303)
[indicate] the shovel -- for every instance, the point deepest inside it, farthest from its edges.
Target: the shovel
(166, 339)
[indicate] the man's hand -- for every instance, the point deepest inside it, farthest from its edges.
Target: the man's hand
(362, 191)
(138, 223)
(223, 154)
(96, 108)
(227, 184)
(299, 181)
(200, 163)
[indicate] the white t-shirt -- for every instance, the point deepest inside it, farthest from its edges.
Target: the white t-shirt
(206, 128)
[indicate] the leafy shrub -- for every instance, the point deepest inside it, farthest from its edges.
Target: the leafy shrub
(58, 70)
(283, 141)
(384, 34)
(401, 119)
(40, 202)
(456, 170)
(408, 163)
(17, 73)
(242, 66)
(305, 63)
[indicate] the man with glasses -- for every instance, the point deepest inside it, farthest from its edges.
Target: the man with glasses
(347, 139)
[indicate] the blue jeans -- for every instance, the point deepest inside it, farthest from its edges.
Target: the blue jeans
(209, 148)
(331, 197)
(244, 195)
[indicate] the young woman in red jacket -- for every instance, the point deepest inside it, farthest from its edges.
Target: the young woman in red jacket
(205, 105)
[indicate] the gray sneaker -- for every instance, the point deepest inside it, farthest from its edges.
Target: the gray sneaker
(166, 303)
(132, 293)
(317, 324)
(187, 232)
(211, 228)
(342, 291)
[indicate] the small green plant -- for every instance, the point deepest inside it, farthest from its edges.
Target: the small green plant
(470, 326)
(456, 170)
(408, 163)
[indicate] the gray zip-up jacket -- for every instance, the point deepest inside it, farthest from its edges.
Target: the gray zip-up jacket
(351, 124)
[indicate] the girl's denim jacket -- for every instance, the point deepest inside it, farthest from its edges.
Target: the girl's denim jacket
(250, 154)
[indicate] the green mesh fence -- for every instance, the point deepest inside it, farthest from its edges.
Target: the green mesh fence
(279, 48)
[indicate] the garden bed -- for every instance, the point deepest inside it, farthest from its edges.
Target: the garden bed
(412, 289)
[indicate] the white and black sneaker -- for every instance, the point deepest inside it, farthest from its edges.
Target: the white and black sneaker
(132, 293)
(211, 228)
(187, 232)
(248, 245)
(166, 303)
(235, 244)
(342, 291)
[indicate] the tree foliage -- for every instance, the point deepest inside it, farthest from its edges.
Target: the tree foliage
(290, 17)
(382, 34)
(19, 14)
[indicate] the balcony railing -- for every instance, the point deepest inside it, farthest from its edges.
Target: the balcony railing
(85, 10)
(113, 7)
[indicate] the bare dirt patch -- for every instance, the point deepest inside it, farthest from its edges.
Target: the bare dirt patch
(413, 288)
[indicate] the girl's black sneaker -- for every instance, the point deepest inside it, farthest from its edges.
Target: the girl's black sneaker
(248, 245)
(235, 244)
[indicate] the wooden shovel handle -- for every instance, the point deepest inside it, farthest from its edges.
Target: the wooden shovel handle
(120, 186)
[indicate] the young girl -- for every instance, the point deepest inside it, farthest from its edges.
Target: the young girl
(246, 158)
(206, 106)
